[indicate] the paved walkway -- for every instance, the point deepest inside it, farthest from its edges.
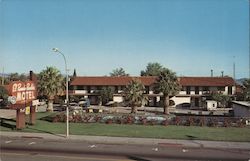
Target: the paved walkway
(135, 141)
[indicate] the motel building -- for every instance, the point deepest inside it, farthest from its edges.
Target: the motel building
(195, 91)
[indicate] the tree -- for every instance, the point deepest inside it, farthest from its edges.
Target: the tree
(118, 72)
(15, 77)
(168, 85)
(106, 94)
(3, 96)
(246, 91)
(152, 69)
(74, 74)
(222, 99)
(50, 84)
(134, 94)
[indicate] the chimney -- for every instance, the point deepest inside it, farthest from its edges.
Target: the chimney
(212, 72)
(33, 76)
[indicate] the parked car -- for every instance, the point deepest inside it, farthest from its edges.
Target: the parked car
(85, 103)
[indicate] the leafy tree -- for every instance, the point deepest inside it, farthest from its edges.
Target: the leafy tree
(106, 94)
(152, 69)
(50, 84)
(167, 84)
(222, 99)
(246, 91)
(14, 77)
(118, 72)
(134, 94)
(3, 96)
(17, 77)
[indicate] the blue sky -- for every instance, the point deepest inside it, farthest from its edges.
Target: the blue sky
(191, 37)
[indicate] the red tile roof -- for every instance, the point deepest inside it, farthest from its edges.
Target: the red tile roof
(147, 81)
(207, 81)
(110, 81)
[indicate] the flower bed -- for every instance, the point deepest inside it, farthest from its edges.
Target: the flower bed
(152, 120)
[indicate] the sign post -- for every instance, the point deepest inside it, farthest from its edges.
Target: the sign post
(33, 111)
(21, 95)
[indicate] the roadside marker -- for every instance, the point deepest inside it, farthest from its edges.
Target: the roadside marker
(155, 149)
(92, 146)
(184, 150)
(31, 143)
(7, 142)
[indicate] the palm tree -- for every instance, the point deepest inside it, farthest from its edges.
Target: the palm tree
(106, 94)
(152, 69)
(50, 84)
(134, 93)
(118, 72)
(167, 84)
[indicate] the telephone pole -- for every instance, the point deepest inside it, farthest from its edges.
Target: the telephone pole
(3, 76)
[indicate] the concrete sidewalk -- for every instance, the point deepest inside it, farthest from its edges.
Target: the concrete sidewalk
(132, 141)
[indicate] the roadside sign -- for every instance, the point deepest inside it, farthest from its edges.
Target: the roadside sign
(21, 94)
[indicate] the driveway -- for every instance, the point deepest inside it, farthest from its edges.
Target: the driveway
(7, 113)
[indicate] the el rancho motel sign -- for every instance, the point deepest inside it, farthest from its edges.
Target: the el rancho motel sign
(22, 94)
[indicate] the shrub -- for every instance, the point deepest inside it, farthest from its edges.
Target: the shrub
(109, 121)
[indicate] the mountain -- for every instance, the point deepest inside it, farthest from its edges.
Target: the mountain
(4, 74)
(240, 81)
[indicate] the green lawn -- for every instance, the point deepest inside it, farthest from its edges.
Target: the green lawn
(169, 132)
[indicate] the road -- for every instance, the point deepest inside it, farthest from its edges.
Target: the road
(39, 149)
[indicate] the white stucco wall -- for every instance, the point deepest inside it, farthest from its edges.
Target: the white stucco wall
(211, 105)
(118, 99)
(182, 92)
(80, 91)
(180, 100)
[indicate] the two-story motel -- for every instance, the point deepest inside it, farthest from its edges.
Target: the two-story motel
(194, 90)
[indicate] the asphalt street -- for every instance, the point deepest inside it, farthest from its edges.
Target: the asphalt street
(39, 149)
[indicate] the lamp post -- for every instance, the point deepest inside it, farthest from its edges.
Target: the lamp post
(67, 91)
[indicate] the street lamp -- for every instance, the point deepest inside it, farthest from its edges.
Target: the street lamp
(67, 91)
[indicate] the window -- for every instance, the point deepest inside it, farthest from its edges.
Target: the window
(221, 88)
(89, 89)
(188, 90)
(196, 90)
(116, 89)
(147, 89)
(99, 87)
(230, 90)
(205, 88)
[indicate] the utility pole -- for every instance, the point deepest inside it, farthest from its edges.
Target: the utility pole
(3, 76)
(234, 68)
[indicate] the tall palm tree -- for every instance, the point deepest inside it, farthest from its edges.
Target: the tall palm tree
(118, 72)
(167, 84)
(134, 94)
(50, 84)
